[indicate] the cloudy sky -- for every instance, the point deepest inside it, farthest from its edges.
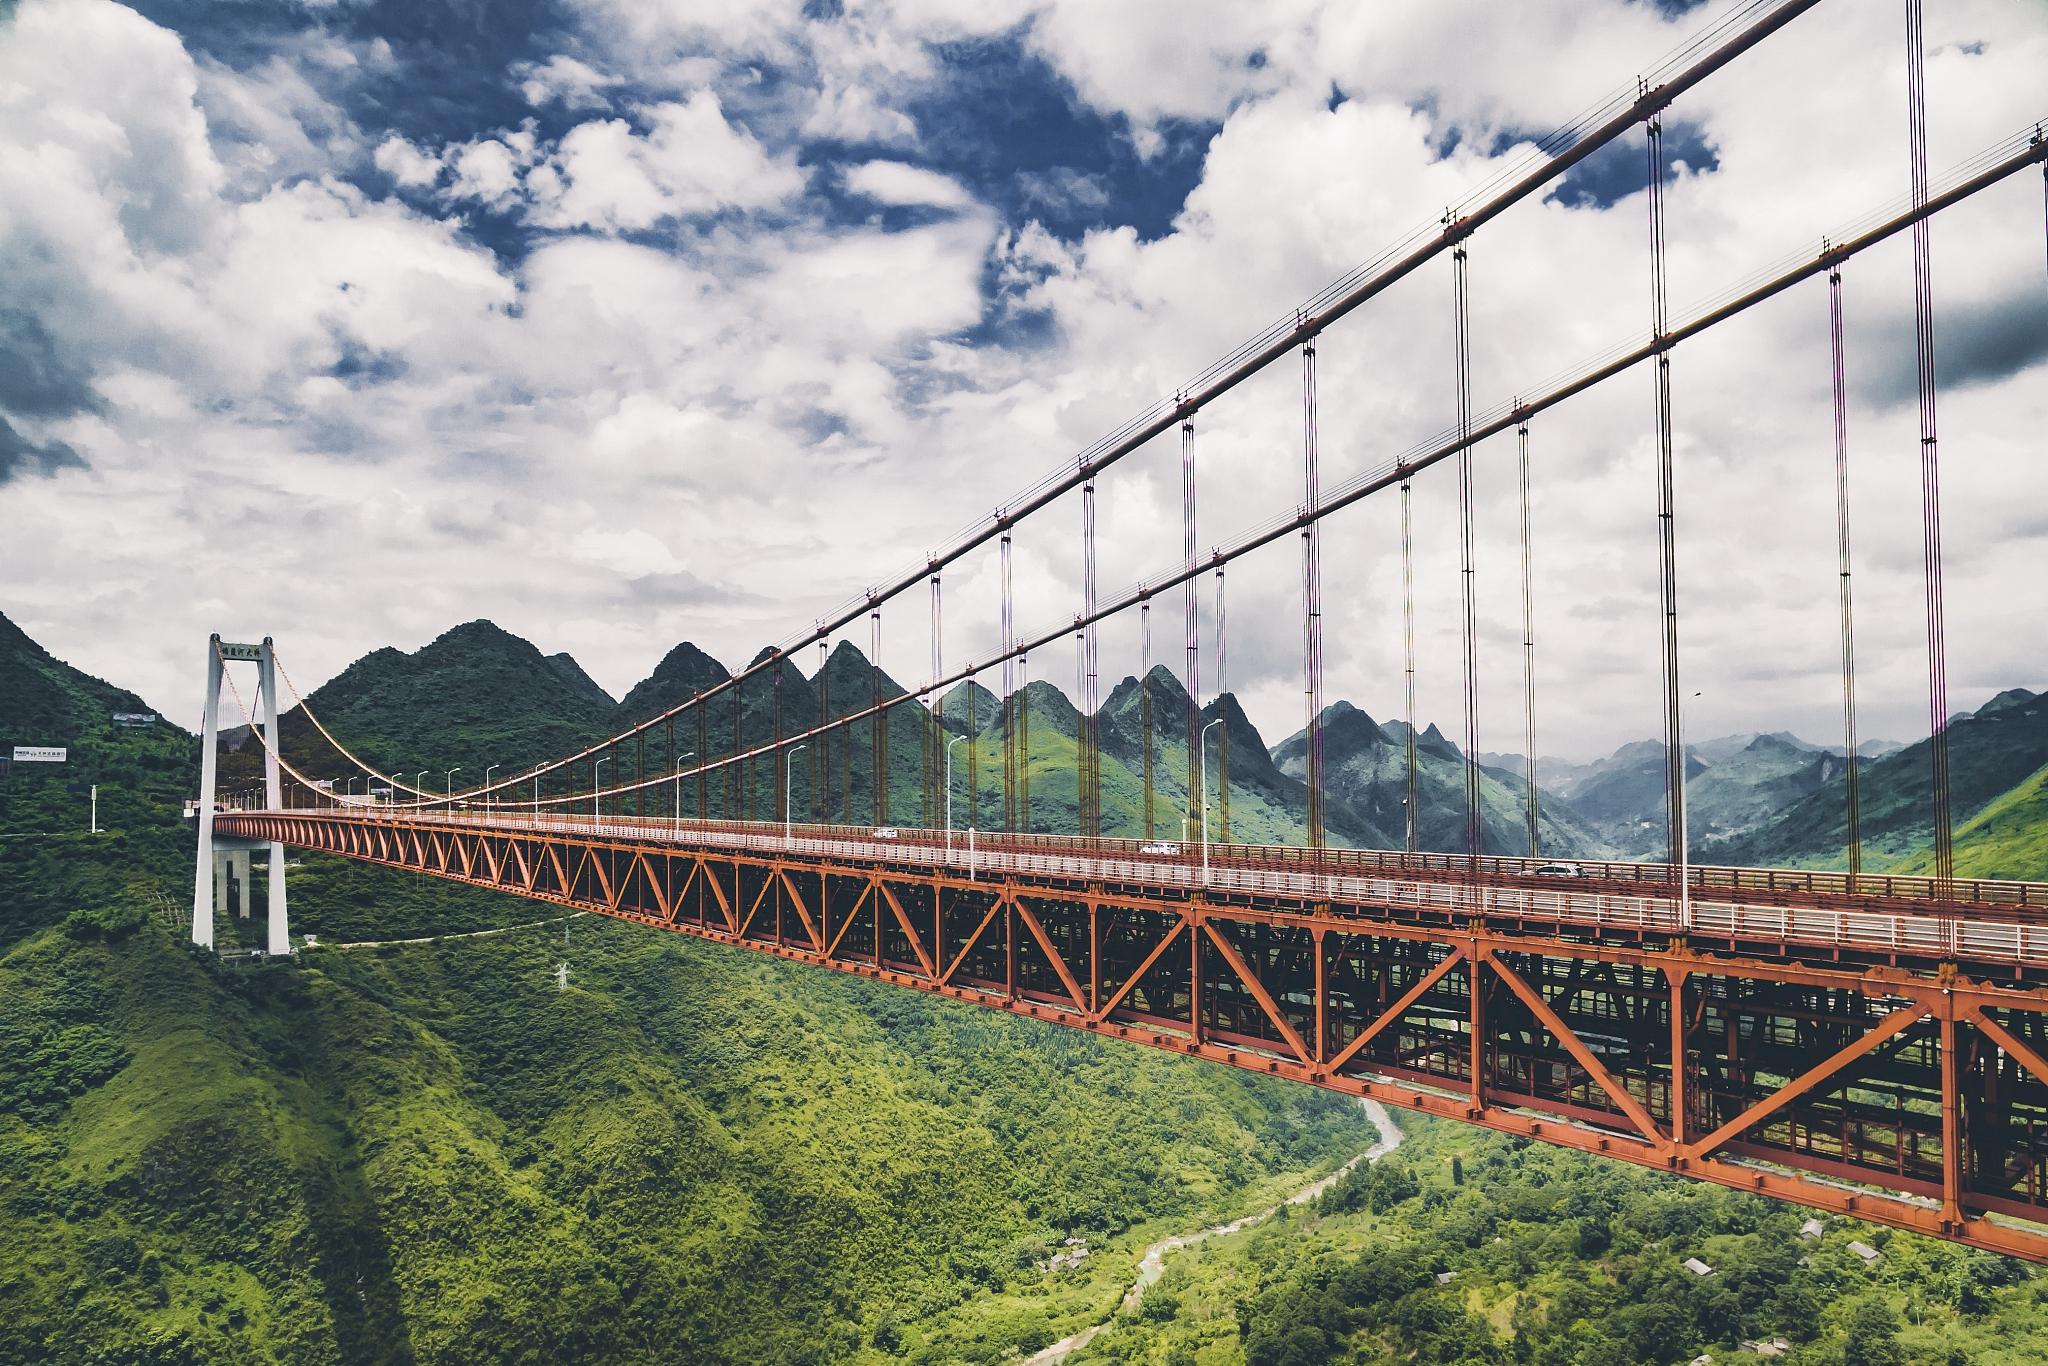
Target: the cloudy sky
(622, 322)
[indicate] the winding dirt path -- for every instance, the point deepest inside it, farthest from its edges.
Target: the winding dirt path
(1153, 1264)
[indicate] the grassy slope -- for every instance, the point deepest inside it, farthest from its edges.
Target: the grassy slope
(431, 1152)
(2007, 839)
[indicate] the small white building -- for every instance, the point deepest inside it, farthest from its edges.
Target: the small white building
(1865, 1251)
(1813, 1228)
(1698, 1267)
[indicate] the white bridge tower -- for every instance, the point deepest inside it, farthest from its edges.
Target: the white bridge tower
(218, 855)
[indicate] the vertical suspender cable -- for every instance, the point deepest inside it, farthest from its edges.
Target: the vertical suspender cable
(735, 809)
(1145, 709)
(1461, 303)
(879, 725)
(973, 720)
(1086, 816)
(1091, 734)
(779, 797)
(1189, 598)
(935, 732)
(1024, 744)
(1223, 731)
(1841, 399)
(1311, 595)
(1667, 540)
(846, 766)
(1528, 646)
(703, 758)
(1009, 694)
(821, 799)
(1930, 458)
(1410, 807)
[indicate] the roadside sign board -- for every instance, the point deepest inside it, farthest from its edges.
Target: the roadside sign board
(40, 754)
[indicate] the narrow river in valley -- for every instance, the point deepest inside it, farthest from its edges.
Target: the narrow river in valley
(1153, 1265)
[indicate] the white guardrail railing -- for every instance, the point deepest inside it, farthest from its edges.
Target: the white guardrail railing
(1929, 935)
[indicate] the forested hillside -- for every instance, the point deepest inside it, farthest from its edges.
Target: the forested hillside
(1471, 1247)
(449, 1152)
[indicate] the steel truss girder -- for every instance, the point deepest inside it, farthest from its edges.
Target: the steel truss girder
(1930, 1088)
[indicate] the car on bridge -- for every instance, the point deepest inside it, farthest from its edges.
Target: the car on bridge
(1159, 847)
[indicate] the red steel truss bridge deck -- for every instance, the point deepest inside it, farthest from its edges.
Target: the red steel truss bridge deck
(1876, 1048)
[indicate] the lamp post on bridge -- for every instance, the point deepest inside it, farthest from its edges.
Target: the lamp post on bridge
(1684, 827)
(419, 783)
(489, 804)
(595, 813)
(536, 791)
(679, 788)
(451, 787)
(788, 782)
(1202, 772)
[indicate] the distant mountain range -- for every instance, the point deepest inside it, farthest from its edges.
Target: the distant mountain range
(1996, 754)
(479, 695)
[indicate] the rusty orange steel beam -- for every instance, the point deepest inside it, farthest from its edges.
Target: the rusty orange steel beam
(1778, 1117)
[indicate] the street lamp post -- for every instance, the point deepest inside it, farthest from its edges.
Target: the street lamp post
(536, 792)
(595, 813)
(419, 783)
(451, 787)
(679, 788)
(1202, 771)
(949, 790)
(489, 804)
(788, 785)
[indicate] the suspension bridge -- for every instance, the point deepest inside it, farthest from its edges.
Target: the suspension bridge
(1870, 1044)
